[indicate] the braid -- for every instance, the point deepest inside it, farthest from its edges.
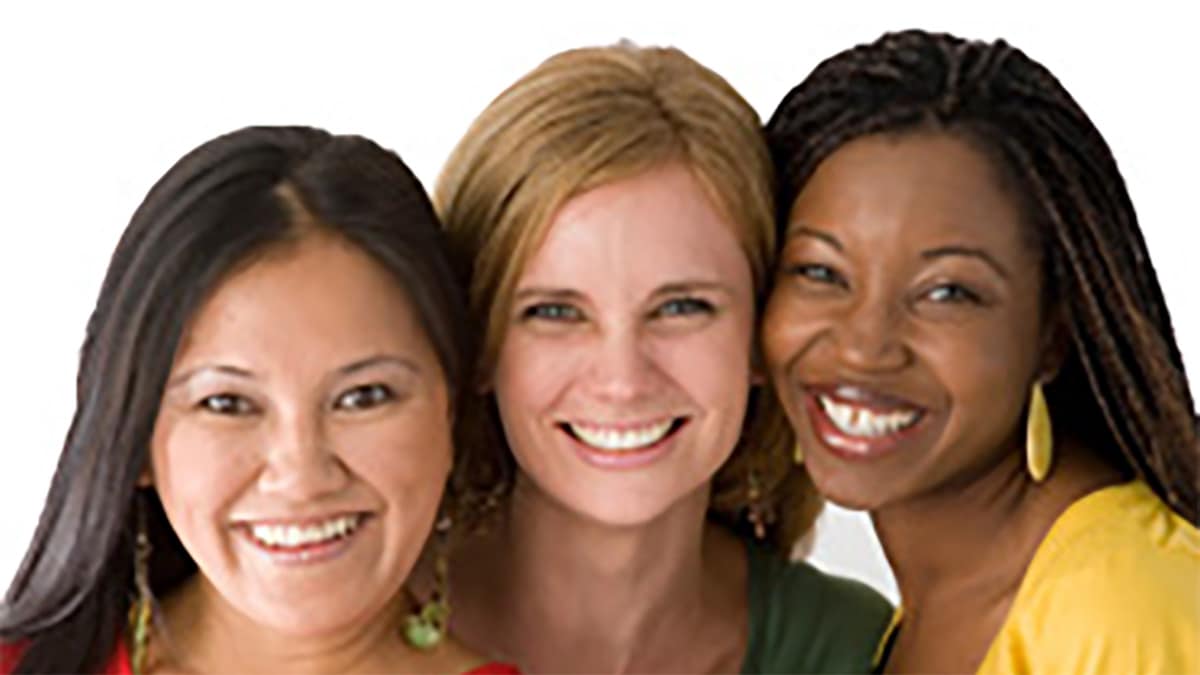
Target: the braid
(1125, 367)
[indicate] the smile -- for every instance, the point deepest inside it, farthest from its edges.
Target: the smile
(623, 438)
(858, 424)
(863, 422)
(303, 541)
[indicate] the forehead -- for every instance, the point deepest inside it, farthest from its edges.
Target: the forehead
(923, 185)
(315, 300)
(661, 220)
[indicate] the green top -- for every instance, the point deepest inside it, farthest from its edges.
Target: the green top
(805, 621)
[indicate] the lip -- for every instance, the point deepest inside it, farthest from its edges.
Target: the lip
(623, 425)
(628, 459)
(302, 521)
(863, 396)
(858, 448)
(307, 554)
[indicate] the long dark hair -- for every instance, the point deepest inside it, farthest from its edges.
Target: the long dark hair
(227, 200)
(1125, 368)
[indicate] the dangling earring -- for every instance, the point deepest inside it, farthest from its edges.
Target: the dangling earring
(1039, 437)
(141, 610)
(798, 453)
(757, 514)
(425, 628)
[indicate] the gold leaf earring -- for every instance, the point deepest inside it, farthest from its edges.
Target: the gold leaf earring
(1039, 436)
(759, 515)
(798, 453)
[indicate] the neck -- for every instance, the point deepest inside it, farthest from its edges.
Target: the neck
(978, 536)
(589, 596)
(204, 633)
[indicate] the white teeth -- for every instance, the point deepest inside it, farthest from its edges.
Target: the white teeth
(332, 529)
(858, 421)
(619, 440)
(290, 536)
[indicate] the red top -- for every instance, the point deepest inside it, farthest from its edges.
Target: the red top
(494, 668)
(119, 664)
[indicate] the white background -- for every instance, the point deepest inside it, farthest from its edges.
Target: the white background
(98, 100)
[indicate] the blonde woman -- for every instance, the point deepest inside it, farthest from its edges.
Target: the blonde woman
(614, 211)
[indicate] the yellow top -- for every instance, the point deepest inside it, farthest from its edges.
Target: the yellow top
(1113, 588)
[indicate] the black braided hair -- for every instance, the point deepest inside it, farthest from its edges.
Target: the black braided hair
(1125, 368)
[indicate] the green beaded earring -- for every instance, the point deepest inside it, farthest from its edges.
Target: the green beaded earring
(425, 628)
(141, 610)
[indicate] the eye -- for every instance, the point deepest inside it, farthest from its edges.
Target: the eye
(821, 274)
(552, 311)
(952, 293)
(364, 397)
(226, 404)
(683, 307)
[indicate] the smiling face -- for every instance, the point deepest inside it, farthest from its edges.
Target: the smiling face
(623, 376)
(304, 439)
(904, 330)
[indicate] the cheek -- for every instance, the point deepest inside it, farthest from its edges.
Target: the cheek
(201, 468)
(406, 455)
(786, 326)
(985, 370)
(711, 365)
(531, 370)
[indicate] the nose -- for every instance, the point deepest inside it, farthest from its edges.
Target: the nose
(621, 369)
(300, 464)
(869, 337)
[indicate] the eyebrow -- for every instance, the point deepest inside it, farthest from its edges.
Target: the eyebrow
(547, 293)
(796, 229)
(671, 288)
(380, 360)
(967, 251)
(223, 369)
(691, 286)
(348, 369)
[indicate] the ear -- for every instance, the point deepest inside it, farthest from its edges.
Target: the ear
(145, 479)
(758, 375)
(1056, 345)
(483, 386)
(758, 366)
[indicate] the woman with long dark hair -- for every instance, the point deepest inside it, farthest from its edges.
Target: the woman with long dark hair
(263, 426)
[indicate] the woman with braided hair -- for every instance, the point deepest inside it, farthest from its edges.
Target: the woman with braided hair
(961, 264)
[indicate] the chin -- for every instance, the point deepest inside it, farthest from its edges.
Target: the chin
(308, 620)
(627, 512)
(846, 488)
(851, 502)
(625, 507)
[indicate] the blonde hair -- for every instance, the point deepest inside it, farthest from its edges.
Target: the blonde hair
(583, 118)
